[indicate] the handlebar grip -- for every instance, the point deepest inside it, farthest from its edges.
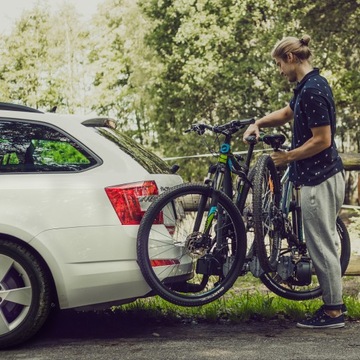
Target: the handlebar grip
(243, 122)
(251, 139)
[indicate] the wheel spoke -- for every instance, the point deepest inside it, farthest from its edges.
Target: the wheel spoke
(4, 325)
(192, 258)
(20, 296)
(5, 265)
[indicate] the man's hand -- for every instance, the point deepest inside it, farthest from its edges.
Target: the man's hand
(253, 129)
(280, 158)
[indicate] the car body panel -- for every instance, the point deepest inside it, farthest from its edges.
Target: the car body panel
(68, 219)
(97, 262)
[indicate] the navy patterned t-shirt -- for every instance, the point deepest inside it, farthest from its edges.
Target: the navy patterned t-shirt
(313, 105)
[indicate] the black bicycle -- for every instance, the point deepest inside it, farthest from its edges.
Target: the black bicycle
(191, 243)
(285, 264)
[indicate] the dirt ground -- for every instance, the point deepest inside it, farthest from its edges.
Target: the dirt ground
(102, 337)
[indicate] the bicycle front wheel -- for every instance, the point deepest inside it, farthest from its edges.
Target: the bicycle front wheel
(191, 245)
(266, 213)
(290, 288)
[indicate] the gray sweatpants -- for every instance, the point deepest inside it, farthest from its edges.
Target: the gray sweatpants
(320, 206)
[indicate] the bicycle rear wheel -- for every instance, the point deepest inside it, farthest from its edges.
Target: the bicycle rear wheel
(184, 260)
(266, 206)
(291, 288)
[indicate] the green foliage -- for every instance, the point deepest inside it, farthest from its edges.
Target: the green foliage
(54, 152)
(214, 63)
(10, 159)
(41, 61)
(233, 308)
(334, 26)
(217, 64)
(353, 306)
(160, 65)
(124, 69)
(248, 300)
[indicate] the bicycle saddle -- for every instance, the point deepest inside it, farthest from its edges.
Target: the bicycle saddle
(274, 140)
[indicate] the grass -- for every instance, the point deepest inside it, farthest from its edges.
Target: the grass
(234, 307)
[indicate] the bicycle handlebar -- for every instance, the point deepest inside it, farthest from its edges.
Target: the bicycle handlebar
(274, 140)
(229, 128)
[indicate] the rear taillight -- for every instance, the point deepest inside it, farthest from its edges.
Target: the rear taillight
(130, 201)
(164, 262)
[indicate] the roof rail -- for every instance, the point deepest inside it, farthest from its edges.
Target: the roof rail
(17, 107)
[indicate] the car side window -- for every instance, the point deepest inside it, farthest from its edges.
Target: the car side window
(33, 147)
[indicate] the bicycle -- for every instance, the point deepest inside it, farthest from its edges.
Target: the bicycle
(214, 270)
(278, 225)
(197, 230)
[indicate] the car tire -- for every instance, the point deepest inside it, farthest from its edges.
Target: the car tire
(25, 294)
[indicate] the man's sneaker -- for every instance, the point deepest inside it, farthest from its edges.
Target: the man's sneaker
(322, 321)
(322, 309)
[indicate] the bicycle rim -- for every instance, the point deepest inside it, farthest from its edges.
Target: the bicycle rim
(290, 290)
(182, 263)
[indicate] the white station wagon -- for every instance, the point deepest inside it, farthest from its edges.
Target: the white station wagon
(70, 206)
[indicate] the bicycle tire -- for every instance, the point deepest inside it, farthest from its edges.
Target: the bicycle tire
(178, 262)
(244, 203)
(266, 203)
(292, 292)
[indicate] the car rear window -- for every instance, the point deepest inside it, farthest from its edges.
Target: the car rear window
(33, 147)
(148, 160)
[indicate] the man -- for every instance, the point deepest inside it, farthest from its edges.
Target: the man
(316, 166)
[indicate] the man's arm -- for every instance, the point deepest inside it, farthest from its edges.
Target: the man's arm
(320, 141)
(274, 119)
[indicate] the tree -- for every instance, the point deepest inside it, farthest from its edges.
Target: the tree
(41, 64)
(160, 65)
(26, 48)
(216, 65)
(123, 67)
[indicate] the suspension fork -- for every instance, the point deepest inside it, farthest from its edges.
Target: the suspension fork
(217, 185)
(213, 208)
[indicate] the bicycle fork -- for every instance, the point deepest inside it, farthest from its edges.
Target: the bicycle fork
(212, 262)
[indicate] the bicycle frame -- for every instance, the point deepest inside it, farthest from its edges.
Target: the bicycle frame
(227, 164)
(221, 178)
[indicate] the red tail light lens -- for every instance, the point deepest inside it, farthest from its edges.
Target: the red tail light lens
(128, 201)
(164, 262)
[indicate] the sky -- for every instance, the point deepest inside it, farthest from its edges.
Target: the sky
(11, 10)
